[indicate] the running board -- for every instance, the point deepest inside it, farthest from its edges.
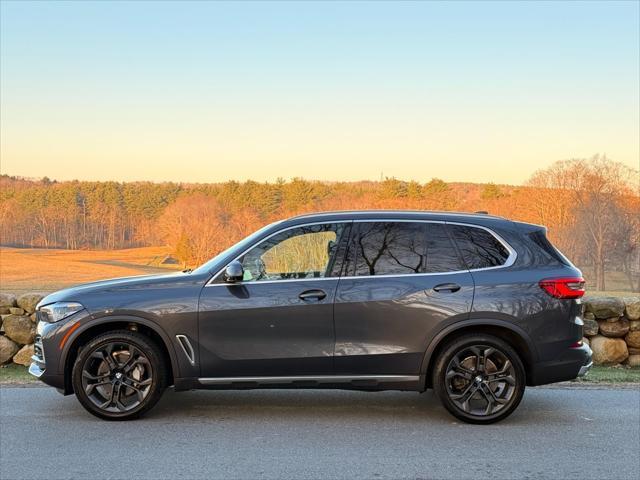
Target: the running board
(309, 380)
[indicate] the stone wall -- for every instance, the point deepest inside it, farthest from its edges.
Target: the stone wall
(611, 328)
(17, 327)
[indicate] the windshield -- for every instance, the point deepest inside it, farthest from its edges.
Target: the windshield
(236, 249)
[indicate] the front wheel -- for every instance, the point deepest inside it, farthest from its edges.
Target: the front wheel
(119, 375)
(479, 378)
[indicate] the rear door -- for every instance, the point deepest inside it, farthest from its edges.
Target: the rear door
(402, 281)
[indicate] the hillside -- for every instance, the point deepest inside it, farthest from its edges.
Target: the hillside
(591, 208)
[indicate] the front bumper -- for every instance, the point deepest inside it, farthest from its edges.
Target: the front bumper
(35, 369)
(585, 369)
(38, 363)
(47, 363)
(574, 362)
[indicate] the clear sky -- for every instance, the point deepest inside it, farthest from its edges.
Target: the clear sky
(207, 91)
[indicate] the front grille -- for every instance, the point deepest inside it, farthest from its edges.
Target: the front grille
(38, 352)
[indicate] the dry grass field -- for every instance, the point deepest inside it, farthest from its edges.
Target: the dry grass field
(617, 283)
(47, 270)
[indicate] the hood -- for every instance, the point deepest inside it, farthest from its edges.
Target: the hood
(77, 293)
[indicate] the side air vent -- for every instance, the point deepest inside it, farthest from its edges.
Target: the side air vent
(187, 348)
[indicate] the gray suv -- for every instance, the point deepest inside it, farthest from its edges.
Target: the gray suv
(471, 305)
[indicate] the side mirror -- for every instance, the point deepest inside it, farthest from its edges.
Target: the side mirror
(234, 272)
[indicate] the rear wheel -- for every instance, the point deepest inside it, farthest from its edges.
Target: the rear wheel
(119, 375)
(479, 378)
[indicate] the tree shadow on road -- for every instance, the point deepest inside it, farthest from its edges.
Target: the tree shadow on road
(319, 405)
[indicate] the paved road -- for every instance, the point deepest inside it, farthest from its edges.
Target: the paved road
(556, 433)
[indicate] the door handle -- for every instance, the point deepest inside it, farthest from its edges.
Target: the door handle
(312, 295)
(447, 287)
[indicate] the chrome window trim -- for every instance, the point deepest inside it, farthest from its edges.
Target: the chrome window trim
(219, 272)
(266, 282)
(508, 262)
(302, 378)
(513, 255)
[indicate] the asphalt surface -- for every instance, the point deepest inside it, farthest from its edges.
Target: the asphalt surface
(555, 433)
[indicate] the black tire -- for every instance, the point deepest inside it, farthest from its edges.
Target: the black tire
(123, 367)
(466, 384)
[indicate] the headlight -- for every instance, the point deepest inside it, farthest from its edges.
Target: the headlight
(55, 312)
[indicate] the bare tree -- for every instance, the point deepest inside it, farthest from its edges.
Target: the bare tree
(588, 200)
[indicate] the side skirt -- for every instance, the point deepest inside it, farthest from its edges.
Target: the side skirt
(347, 382)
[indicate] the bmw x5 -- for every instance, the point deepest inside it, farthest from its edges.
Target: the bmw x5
(473, 306)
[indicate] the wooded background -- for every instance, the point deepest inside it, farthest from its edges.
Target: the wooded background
(591, 207)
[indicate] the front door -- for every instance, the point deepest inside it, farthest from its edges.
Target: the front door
(402, 282)
(279, 320)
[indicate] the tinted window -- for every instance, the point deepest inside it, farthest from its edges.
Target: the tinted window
(303, 252)
(441, 254)
(479, 248)
(543, 242)
(386, 248)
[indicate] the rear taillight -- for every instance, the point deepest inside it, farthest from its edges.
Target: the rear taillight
(570, 287)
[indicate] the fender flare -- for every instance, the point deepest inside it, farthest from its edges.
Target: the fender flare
(121, 318)
(444, 332)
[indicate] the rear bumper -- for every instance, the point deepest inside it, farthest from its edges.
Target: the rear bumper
(572, 363)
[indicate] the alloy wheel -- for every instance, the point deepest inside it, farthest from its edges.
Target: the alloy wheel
(480, 380)
(117, 377)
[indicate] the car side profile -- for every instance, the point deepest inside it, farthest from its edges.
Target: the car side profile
(473, 306)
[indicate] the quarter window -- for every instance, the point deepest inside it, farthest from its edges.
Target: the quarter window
(479, 248)
(302, 252)
(386, 248)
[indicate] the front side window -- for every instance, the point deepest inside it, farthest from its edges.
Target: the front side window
(386, 248)
(479, 248)
(301, 252)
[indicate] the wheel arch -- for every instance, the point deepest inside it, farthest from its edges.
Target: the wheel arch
(509, 332)
(105, 324)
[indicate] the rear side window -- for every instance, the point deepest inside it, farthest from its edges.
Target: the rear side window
(386, 248)
(441, 254)
(540, 238)
(479, 248)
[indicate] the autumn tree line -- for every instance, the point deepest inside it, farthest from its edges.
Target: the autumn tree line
(591, 207)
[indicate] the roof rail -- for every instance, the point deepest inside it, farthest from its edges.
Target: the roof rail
(370, 211)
